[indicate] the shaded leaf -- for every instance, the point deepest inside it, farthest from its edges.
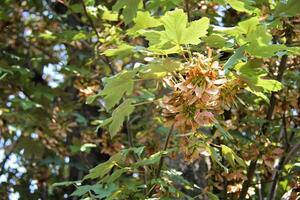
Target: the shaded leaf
(216, 41)
(154, 158)
(122, 51)
(130, 8)
(235, 58)
(118, 116)
(116, 87)
(115, 175)
(216, 157)
(81, 190)
(287, 8)
(66, 183)
(242, 5)
(211, 196)
(102, 169)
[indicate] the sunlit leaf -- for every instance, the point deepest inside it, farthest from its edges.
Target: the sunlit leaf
(159, 69)
(143, 21)
(178, 30)
(231, 157)
(252, 74)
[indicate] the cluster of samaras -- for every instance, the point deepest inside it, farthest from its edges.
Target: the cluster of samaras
(199, 93)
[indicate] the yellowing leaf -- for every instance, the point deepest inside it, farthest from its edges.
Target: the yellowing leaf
(231, 157)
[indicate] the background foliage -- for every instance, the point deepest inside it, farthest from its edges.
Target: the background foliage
(153, 99)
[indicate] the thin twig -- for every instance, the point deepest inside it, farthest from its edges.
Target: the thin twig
(104, 58)
(90, 19)
(135, 157)
(161, 161)
(187, 9)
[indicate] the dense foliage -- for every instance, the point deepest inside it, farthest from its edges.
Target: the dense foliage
(152, 99)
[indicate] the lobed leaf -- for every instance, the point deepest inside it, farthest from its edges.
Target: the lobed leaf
(116, 87)
(118, 116)
(130, 8)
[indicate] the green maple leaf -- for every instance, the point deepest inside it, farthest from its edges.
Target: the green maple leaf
(118, 116)
(121, 51)
(104, 168)
(232, 157)
(159, 69)
(130, 8)
(252, 74)
(260, 43)
(242, 6)
(216, 41)
(256, 39)
(116, 87)
(142, 21)
(178, 30)
(287, 8)
(235, 58)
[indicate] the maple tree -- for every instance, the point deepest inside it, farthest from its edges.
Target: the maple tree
(154, 99)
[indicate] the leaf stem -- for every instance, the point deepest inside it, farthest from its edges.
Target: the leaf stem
(145, 102)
